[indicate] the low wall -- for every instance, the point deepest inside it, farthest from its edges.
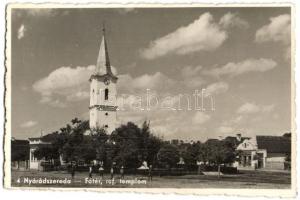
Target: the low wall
(274, 165)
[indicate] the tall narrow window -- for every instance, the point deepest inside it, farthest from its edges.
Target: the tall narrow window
(106, 94)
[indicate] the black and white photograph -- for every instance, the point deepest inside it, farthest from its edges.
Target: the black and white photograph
(161, 96)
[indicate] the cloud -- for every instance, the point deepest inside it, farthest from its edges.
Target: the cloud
(225, 129)
(63, 78)
(251, 108)
(216, 88)
(237, 119)
(192, 76)
(166, 122)
(194, 82)
(278, 30)
(78, 96)
(162, 122)
(174, 123)
(68, 83)
(231, 124)
(268, 108)
(42, 12)
(135, 116)
(21, 31)
(233, 20)
(28, 124)
(190, 71)
(156, 81)
(57, 103)
(201, 35)
(246, 66)
(200, 118)
(248, 108)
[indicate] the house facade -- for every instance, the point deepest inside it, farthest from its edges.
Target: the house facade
(264, 152)
(34, 144)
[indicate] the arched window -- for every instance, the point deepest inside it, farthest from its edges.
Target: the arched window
(106, 94)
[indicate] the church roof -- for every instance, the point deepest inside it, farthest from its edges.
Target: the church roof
(103, 66)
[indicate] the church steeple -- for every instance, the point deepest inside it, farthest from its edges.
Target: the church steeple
(103, 92)
(103, 66)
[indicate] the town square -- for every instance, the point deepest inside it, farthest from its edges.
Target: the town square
(164, 97)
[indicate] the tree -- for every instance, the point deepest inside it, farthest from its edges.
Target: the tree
(190, 153)
(19, 150)
(75, 121)
(133, 145)
(128, 143)
(69, 142)
(220, 152)
(151, 144)
(100, 139)
(47, 152)
(78, 147)
(168, 155)
(203, 153)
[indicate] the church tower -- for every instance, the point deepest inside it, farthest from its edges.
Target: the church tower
(103, 92)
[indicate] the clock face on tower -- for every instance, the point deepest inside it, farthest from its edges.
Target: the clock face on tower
(106, 81)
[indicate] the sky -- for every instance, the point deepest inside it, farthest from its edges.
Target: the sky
(240, 56)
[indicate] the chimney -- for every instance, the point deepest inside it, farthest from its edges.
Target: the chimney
(239, 137)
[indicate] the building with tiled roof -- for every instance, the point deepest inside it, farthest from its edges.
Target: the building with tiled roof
(267, 152)
(34, 144)
(274, 144)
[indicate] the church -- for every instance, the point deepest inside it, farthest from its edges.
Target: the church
(103, 106)
(103, 92)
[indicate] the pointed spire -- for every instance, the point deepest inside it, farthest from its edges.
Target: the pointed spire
(103, 64)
